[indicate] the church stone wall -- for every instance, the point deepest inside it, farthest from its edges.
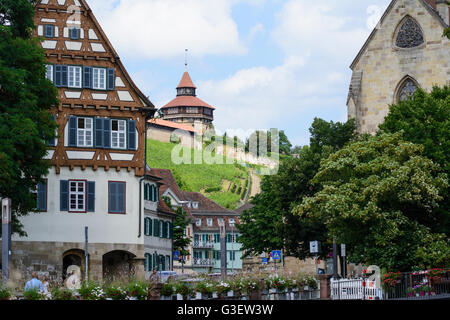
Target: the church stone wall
(384, 65)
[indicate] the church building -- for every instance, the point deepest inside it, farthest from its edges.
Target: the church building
(406, 51)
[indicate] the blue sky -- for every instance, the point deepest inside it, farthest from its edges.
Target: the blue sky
(262, 63)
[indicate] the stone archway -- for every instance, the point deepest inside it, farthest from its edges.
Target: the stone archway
(73, 257)
(118, 265)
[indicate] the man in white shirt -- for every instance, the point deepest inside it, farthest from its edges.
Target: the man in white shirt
(34, 283)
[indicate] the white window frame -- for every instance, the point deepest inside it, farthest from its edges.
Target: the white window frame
(77, 195)
(49, 72)
(231, 222)
(209, 221)
(74, 77)
(191, 110)
(198, 222)
(97, 75)
(194, 205)
(83, 133)
(117, 134)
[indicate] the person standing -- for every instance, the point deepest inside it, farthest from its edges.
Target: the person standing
(34, 283)
(44, 284)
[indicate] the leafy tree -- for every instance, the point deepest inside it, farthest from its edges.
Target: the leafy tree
(425, 119)
(26, 97)
(266, 137)
(270, 224)
(180, 240)
(379, 196)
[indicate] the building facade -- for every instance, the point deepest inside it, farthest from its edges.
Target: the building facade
(98, 173)
(186, 107)
(404, 52)
(206, 248)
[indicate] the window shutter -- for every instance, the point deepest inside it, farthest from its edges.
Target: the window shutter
(111, 80)
(121, 197)
(42, 196)
(150, 226)
(98, 132)
(145, 191)
(64, 76)
(49, 31)
(64, 195)
(87, 77)
(112, 197)
(91, 196)
(58, 75)
(131, 135)
(107, 133)
(72, 131)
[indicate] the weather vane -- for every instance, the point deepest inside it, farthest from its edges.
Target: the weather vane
(185, 58)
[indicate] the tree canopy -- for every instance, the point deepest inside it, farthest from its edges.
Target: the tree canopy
(270, 224)
(26, 97)
(379, 196)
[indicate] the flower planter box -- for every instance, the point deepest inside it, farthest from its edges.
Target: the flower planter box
(166, 298)
(198, 296)
(215, 295)
(230, 294)
(179, 296)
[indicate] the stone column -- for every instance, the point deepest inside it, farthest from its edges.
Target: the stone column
(325, 289)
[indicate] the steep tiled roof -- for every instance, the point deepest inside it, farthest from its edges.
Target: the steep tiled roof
(171, 124)
(186, 81)
(205, 205)
(187, 101)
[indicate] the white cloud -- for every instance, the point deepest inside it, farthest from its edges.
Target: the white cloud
(164, 28)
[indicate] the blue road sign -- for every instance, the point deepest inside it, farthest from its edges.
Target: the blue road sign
(276, 254)
(176, 255)
(265, 260)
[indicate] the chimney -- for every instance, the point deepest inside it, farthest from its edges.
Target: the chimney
(444, 10)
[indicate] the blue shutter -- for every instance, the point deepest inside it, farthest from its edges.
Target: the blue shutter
(64, 76)
(111, 80)
(49, 31)
(58, 75)
(74, 34)
(91, 196)
(106, 133)
(87, 77)
(98, 132)
(121, 197)
(72, 131)
(64, 195)
(42, 196)
(112, 198)
(131, 135)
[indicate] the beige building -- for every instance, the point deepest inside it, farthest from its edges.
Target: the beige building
(404, 52)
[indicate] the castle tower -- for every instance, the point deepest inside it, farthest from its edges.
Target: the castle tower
(186, 107)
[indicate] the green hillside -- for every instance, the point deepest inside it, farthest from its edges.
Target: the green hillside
(225, 184)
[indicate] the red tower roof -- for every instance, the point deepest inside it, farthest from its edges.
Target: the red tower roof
(186, 81)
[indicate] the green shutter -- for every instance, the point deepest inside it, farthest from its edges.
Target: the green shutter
(150, 226)
(145, 191)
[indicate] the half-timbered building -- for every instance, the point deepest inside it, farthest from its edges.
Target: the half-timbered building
(98, 174)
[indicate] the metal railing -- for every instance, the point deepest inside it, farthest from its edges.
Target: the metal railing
(355, 289)
(204, 262)
(206, 245)
(418, 286)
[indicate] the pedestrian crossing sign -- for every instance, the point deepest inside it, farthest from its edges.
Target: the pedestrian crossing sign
(276, 255)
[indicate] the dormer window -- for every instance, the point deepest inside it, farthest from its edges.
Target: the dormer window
(195, 205)
(188, 204)
(198, 222)
(209, 221)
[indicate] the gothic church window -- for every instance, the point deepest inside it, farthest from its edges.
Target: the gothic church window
(410, 34)
(407, 89)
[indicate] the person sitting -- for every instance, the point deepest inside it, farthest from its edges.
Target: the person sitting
(34, 283)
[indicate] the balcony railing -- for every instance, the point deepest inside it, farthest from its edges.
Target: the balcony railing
(204, 262)
(203, 245)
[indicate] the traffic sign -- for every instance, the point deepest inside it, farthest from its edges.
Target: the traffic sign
(176, 255)
(343, 253)
(265, 260)
(314, 246)
(276, 254)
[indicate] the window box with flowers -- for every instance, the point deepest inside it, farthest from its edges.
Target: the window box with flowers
(391, 279)
(167, 291)
(435, 275)
(204, 290)
(182, 291)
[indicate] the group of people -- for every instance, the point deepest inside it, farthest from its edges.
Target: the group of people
(36, 284)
